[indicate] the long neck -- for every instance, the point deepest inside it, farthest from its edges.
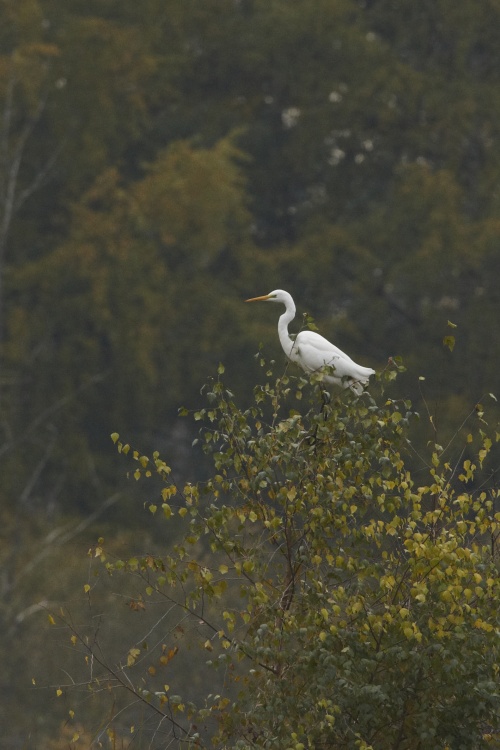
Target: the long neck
(285, 319)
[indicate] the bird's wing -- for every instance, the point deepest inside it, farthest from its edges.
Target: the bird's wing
(311, 339)
(314, 352)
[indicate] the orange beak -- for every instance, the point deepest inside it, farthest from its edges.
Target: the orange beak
(258, 299)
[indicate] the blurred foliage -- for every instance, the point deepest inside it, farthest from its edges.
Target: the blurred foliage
(161, 162)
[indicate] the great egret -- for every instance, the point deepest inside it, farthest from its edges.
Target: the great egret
(314, 353)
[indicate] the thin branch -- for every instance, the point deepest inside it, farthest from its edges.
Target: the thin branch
(53, 408)
(40, 177)
(54, 540)
(122, 679)
(23, 498)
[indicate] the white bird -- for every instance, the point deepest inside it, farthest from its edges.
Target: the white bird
(312, 352)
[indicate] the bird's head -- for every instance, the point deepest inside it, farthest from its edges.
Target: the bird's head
(277, 296)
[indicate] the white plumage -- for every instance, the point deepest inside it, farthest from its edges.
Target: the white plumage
(312, 352)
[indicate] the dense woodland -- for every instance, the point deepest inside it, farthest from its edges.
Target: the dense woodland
(162, 161)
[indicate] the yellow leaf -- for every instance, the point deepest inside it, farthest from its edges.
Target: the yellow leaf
(86, 588)
(132, 656)
(51, 620)
(58, 692)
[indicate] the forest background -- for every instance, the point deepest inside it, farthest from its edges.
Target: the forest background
(160, 162)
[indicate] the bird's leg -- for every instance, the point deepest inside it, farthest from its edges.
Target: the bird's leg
(326, 398)
(325, 401)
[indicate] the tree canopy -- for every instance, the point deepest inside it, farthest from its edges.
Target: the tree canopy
(342, 601)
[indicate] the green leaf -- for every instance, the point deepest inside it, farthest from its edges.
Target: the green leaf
(449, 341)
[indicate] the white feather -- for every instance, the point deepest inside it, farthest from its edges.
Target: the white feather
(313, 353)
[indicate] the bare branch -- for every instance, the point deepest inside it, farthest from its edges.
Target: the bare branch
(52, 409)
(39, 179)
(12, 196)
